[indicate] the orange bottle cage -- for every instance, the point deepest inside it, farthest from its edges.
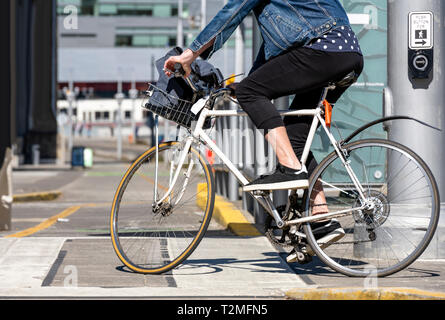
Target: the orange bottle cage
(327, 113)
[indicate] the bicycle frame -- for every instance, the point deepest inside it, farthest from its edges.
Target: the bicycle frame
(198, 134)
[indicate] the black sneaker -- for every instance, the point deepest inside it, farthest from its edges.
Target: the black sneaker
(283, 178)
(326, 233)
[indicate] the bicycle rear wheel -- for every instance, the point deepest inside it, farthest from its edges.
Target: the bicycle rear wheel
(397, 229)
(154, 240)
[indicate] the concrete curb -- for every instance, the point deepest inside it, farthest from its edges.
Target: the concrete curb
(358, 293)
(37, 196)
(226, 214)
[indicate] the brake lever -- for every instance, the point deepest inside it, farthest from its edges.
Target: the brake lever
(180, 72)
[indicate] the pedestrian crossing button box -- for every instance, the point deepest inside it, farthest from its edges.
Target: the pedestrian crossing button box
(420, 50)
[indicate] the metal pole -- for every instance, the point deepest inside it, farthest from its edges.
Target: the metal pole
(239, 50)
(70, 97)
(226, 56)
(119, 98)
(203, 14)
(180, 30)
(233, 184)
(133, 93)
(420, 98)
(153, 68)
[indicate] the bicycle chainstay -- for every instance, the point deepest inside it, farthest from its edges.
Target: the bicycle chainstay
(287, 240)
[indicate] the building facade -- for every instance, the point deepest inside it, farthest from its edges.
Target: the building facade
(104, 41)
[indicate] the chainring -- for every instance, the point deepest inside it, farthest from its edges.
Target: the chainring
(280, 237)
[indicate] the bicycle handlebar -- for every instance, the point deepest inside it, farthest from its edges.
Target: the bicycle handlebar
(179, 72)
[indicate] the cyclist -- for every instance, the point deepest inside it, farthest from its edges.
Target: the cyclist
(306, 45)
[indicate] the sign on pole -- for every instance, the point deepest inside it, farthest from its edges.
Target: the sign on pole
(421, 30)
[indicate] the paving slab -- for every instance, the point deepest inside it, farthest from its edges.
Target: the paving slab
(25, 262)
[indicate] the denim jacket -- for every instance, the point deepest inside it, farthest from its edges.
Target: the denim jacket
(283, 23)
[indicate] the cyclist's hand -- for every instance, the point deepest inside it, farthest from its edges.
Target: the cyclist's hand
(185, 59)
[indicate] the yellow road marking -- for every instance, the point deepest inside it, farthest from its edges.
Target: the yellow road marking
(47, 223)
(52, 220)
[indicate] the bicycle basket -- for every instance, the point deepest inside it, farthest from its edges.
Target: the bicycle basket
(169, 106)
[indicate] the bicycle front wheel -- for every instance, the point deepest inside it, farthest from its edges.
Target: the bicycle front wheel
(400, 220)
(153, 239)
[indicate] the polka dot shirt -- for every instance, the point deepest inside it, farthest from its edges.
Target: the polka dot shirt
(341, 39)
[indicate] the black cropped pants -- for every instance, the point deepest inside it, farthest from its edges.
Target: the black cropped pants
(302, 72)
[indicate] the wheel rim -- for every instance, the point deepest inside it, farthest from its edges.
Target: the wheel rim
(155, 241)
(402, 229)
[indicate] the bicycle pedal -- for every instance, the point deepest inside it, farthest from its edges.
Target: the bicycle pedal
(299, 256)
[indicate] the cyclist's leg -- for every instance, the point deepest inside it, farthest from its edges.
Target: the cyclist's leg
(298, 70)
(298, 131)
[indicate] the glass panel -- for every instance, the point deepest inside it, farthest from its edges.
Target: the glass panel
(88, 7)
(162, 10)
(159, 41)
(107, 9)
(68, 2)
(123, 41)
(141, 40)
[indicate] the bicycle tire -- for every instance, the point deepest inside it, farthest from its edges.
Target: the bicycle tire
(123, 253)
(419, 249)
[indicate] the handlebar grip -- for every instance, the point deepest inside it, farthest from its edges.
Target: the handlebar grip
(179, 70)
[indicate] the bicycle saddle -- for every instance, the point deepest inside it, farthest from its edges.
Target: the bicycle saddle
(347, 80)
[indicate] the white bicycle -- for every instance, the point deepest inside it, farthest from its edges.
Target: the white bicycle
(382, 193)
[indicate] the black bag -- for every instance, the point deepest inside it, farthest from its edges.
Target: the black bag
(172, 98)
(208, 78)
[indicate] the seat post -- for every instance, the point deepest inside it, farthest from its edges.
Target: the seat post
(324, 94)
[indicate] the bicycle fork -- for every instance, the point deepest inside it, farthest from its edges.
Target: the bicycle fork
(183, 155)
